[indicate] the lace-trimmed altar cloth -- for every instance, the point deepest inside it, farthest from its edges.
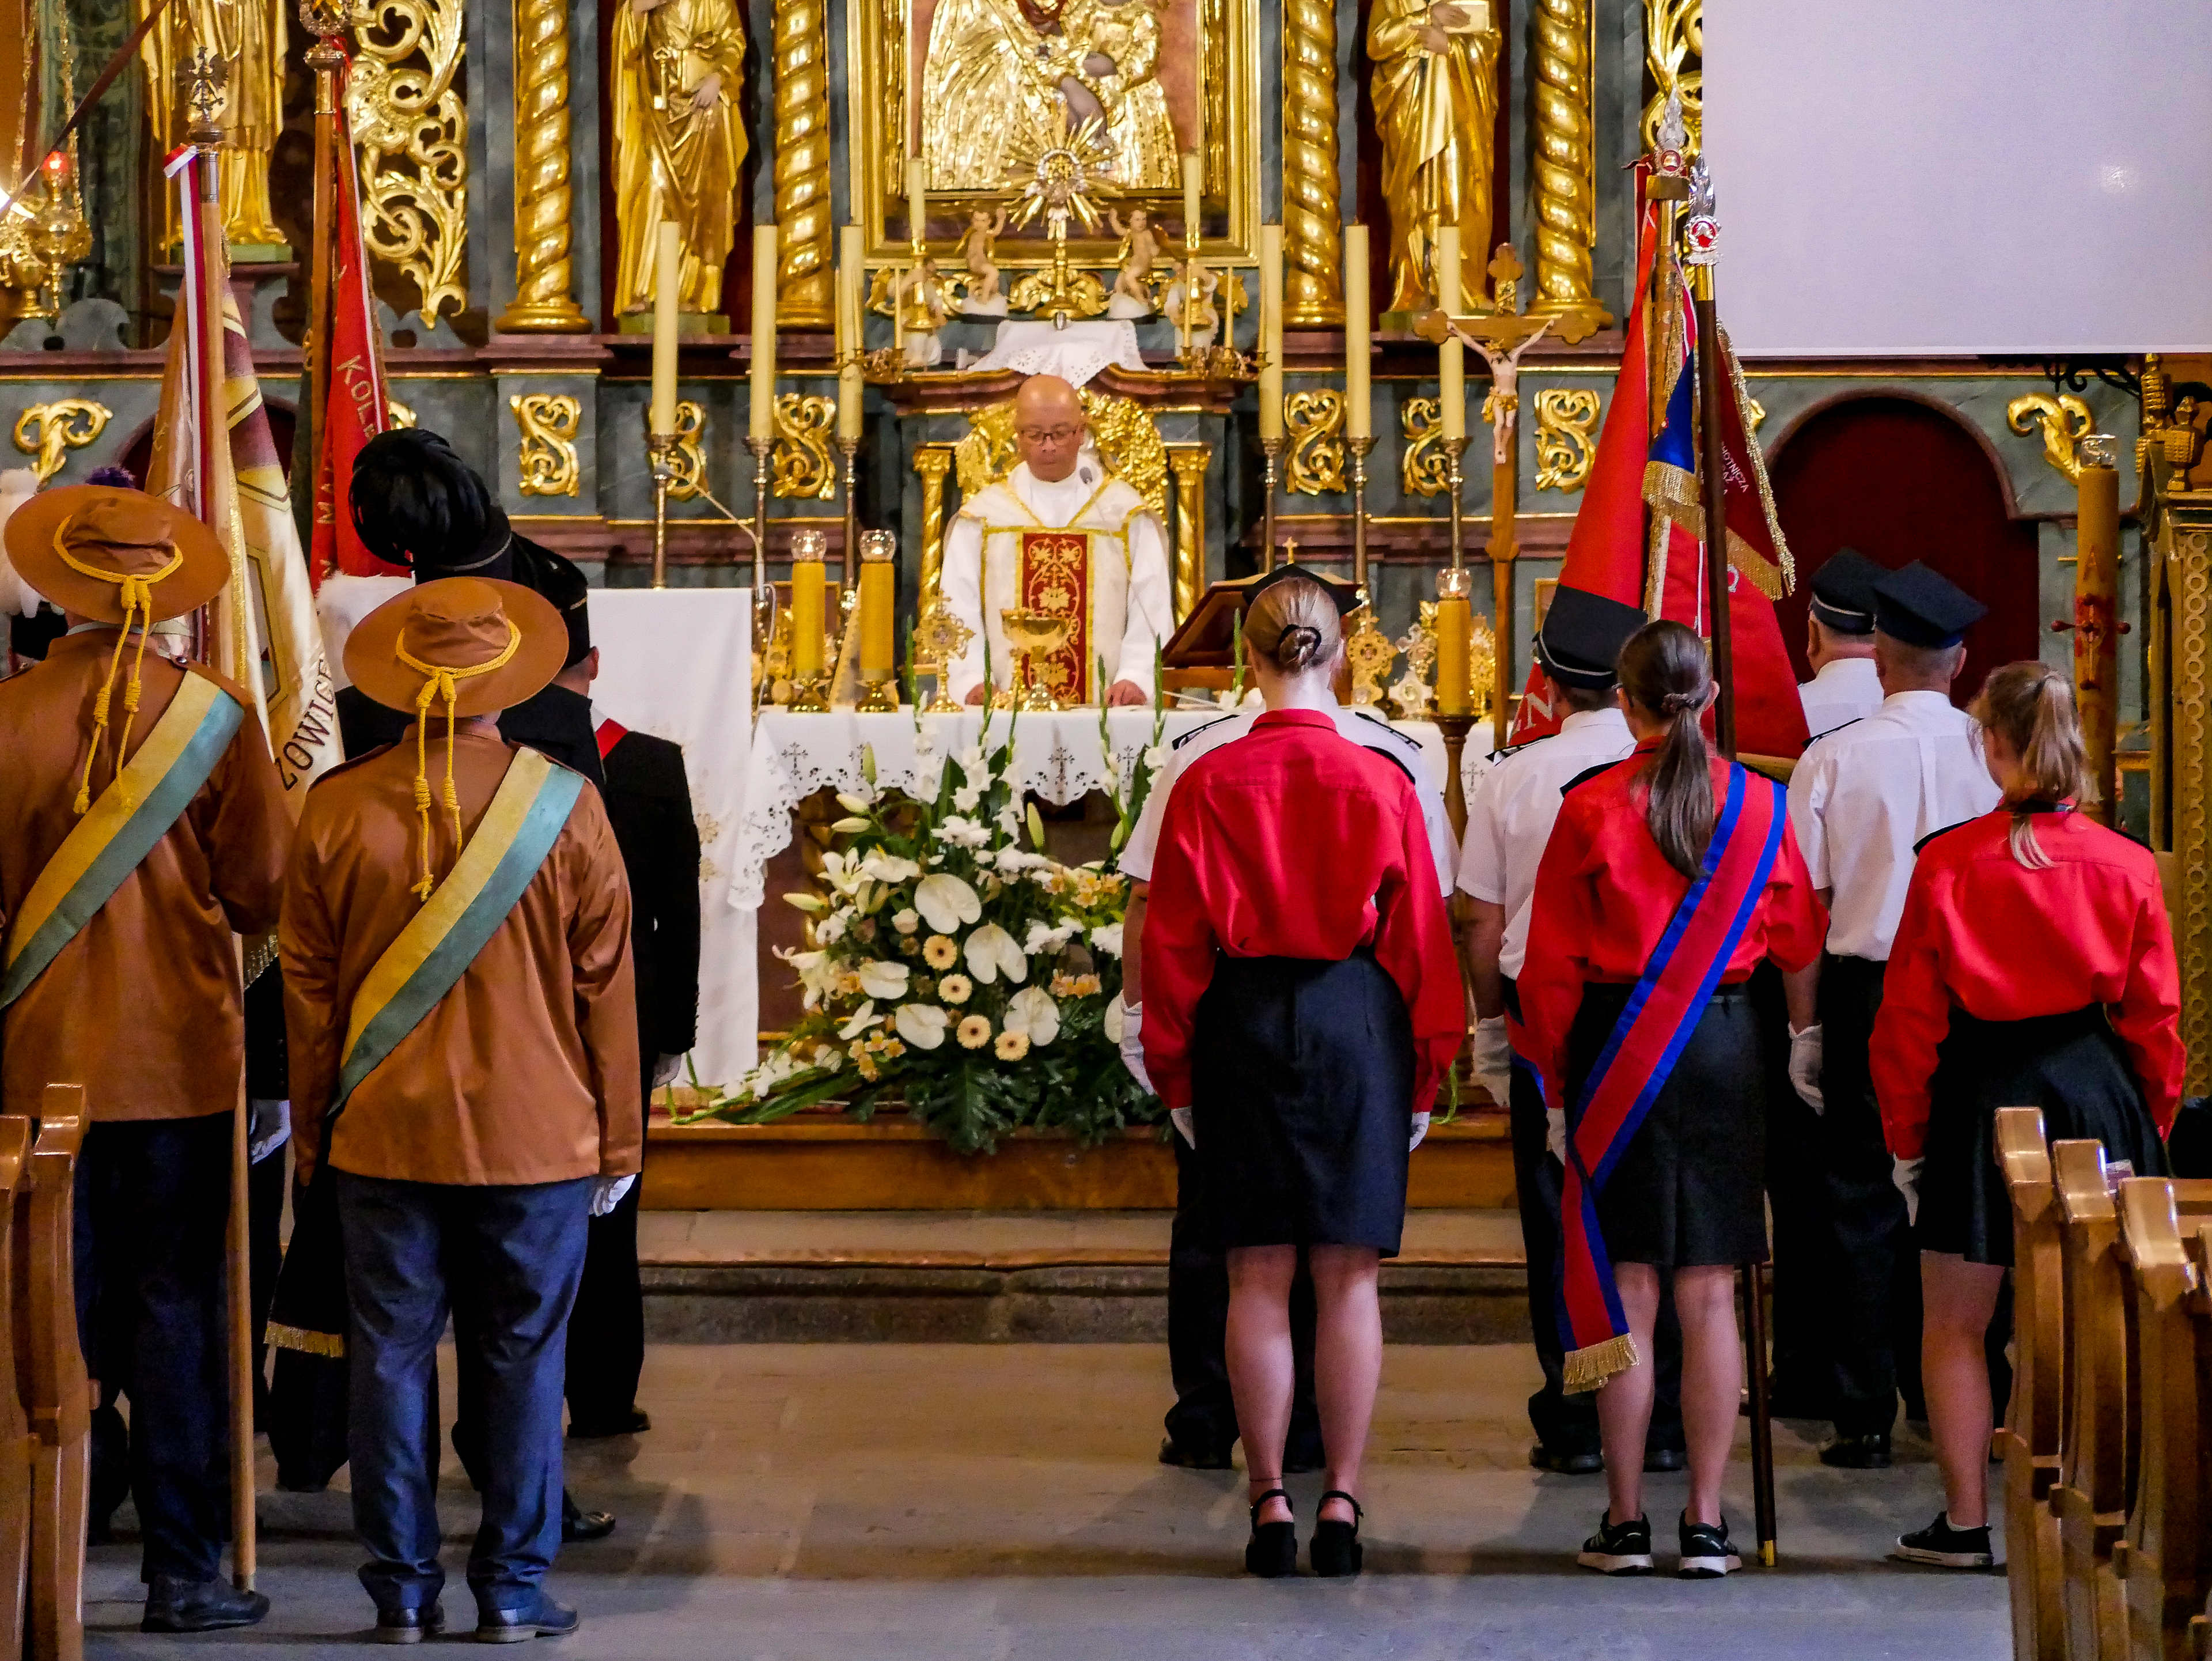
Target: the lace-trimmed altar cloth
(1075, 354)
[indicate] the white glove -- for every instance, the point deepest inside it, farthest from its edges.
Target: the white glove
(1181, 1116)
(268, 1128)
(607, 1192)
(1805, 1064)
(665, 1069)
(1133, 1044)
(1555, 1133)
(1421, 1129)
(1493, 1059)
(1905, 1173)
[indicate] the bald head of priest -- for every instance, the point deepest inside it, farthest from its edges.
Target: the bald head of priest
(1060, 534)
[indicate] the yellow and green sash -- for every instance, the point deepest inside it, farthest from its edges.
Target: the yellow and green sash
(120, 829)
(436, 947)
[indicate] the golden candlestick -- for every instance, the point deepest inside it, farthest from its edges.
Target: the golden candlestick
(1360, 446)
(661, 448)
(1454, 450)
(851, 449)
(1271, 449)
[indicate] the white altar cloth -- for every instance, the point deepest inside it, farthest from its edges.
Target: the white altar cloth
(1075, 354)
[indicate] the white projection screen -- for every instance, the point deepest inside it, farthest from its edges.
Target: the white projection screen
(1906, 177)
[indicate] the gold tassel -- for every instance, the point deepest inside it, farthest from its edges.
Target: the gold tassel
(331, 1344)
(1587, 1370)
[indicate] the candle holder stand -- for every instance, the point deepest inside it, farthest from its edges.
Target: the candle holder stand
(851, 449)
(810, 697)
(1271, 450)
(1454, 480)
(1455, 729)
(660, 449)
(1360, 448)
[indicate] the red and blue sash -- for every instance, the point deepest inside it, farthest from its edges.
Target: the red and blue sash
(1662, 1011)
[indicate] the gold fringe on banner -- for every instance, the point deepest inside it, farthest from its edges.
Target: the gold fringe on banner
(331, 1344)
(1585, 1369)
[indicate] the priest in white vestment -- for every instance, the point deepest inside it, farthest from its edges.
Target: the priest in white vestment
(1060, 534)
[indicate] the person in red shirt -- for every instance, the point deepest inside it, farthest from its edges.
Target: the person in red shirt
(2033, 966)
(1667, 877)
(1302, 1003)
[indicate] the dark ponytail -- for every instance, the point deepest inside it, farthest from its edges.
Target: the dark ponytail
(1665, 674)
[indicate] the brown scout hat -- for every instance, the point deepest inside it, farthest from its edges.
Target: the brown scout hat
(99, 552)
(498, 642)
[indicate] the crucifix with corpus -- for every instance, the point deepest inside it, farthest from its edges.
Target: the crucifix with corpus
(1501, 334)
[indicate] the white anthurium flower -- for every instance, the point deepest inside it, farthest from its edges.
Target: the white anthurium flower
(922, 1025)
(1116, 1022)
(1107, 939)
(945, 902)
(853, 802)
(991, 951)
(863, 1018)
(888, 867)
(879, 979)
(1031, 1010)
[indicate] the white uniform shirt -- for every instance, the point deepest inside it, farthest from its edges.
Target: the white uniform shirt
(1510, 818)
(1149, 614)
(1864, 795)
(1369, 731)
(1841, 690)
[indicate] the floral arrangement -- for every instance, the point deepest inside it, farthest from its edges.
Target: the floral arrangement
(954, 970)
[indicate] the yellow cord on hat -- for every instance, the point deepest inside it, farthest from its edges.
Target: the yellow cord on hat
(441, 683)
(136, 599)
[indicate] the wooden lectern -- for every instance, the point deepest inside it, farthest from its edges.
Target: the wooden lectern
(1201, 654)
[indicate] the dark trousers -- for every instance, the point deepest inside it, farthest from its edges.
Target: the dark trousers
(153, 1201)
(1870, 1270)
(505, 1261)
(1203, 1420)
(606, 1334)
(1797, 1196)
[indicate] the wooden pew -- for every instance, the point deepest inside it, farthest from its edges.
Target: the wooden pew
(2030, 1439)
(15, 1445)
(50, 1368)
(2095, 1477)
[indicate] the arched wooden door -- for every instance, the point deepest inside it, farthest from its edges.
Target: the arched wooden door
(1900, 480)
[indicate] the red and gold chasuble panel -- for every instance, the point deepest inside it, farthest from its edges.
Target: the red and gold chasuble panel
(1053, 577)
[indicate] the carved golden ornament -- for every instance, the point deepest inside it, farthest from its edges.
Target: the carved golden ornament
(1368, 655)
(400, 414)
(1565, 159)
(544, 274)
(1313, 287)
(1566, 437)
(1424, 470)
(49, 431)
(804, 230)
(800, 464)
(547, 457)
(2188, 562)
(1482, 666)
(1316, 421)
(687, 462)
(933, 462)
(1675, 33)
(1127, 441)
(411, 130)
(2065, 421)
(1757, 409)
(1188, 461)
(1410, 697)
(1214, 89)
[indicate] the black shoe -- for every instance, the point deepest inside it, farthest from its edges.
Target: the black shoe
(1664, 1459)
(174, 1605)
(577, 1523)
(1707, 1553)
(1941, 1546)
(632, 1423)
(1564, 1462)
(1334, 1550)
(539, 1618)
(409, 1626)
(1868, 1452)
(1273, 1550)
(1626, 1549)
(1173, 1452)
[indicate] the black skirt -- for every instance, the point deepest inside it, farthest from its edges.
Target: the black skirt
(1302, 1076)
(1688, 1191)
(2072, 1067)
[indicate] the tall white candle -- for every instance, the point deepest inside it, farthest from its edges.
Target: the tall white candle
(763, 379)
(667, 260)
(1359, 417)
(1451, 357)
(1190, 205)
(1270, 332)
(917, 199)
(852, 278)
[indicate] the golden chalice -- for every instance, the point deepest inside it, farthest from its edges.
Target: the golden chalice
(1032, 634)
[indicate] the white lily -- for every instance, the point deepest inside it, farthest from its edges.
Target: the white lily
(991, 951)
(922, 1025)
(888, 867)
(945, 902)
(863, 1018)
(879, 979)
(1107, 939)
(831, 928)
(1031, 1010)
(853, 802)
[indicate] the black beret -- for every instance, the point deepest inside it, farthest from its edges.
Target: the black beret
(1843, 591)
(1582, 637)
(1921, 606)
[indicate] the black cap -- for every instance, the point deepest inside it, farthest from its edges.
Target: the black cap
(1345, 594)
(1843, 591)
(561, 582)
(1582, 637)
(1921, 606)
(416, 503)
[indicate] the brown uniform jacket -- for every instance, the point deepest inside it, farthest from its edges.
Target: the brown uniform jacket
(526, 1071)
(142, 1007)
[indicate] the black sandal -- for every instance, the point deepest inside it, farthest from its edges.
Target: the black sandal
(1274, 1551)
(1335, 1550)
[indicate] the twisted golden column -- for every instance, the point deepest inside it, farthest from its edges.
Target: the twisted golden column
(1313, 288)
(802, 165)
(1565, 161)
(543, 198)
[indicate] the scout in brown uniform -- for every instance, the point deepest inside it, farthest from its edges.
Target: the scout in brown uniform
(464, 1046)
(121, 974)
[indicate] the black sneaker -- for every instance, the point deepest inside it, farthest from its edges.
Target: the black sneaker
(1707, 1553)
(1622, 1550)
(175, 1605)
(1941, 1546)
(1567, 1461)
(1867, 1452)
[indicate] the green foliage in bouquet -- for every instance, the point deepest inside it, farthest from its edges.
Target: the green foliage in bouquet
(955, 971)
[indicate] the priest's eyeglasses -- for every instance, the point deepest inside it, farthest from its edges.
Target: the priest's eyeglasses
(1050, 434)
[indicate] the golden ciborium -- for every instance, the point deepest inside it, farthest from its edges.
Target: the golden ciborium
(1033, 634)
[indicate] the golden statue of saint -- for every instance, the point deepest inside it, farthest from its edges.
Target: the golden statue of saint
(990, 75)
(248, 37)
(1436, 106)
(678, 143)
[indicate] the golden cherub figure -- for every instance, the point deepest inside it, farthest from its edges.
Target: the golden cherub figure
(1140, 253)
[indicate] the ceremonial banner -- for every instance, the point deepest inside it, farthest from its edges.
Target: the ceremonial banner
(1053, 577)
(1662, 1011)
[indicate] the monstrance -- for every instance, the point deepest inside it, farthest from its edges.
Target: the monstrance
(1058, 181)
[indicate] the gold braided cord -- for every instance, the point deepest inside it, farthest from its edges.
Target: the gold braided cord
(441, 682)
(136, 600)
